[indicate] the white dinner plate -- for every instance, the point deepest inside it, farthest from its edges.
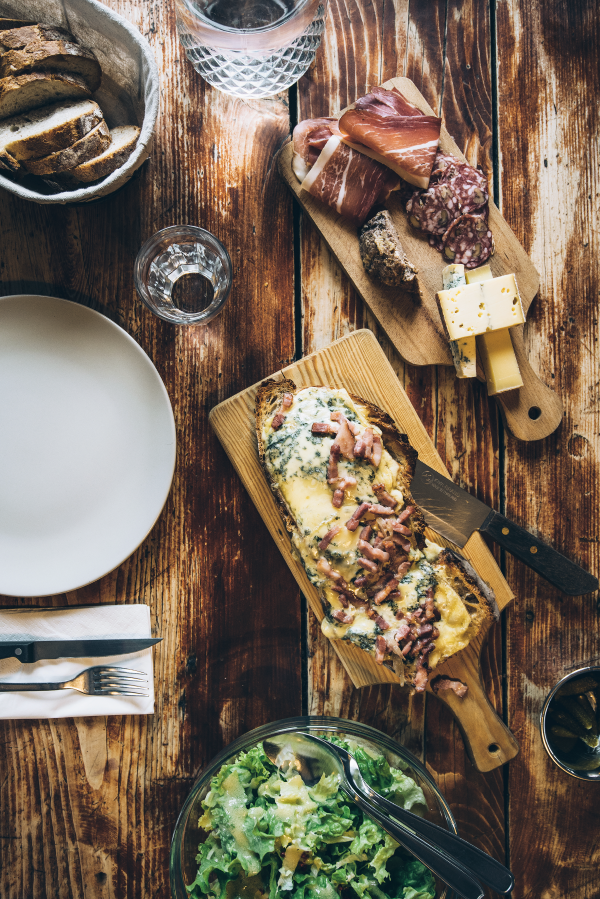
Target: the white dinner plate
(87, 445)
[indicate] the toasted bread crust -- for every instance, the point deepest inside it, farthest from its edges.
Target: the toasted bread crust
(476, 595)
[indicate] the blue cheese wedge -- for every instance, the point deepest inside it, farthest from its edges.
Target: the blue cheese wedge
(341, 471)
(464, 350)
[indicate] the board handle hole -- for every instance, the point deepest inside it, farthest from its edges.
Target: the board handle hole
(534, 413)
(493, 747)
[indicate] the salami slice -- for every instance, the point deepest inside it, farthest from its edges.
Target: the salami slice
(443, 167)
(434, 209)
(471, 188)
(468, 241)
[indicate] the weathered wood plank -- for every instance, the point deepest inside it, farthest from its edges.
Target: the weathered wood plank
(408, 39)
(548, 128)
(89, 806)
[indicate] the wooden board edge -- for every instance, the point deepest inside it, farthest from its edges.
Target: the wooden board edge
(363, 671)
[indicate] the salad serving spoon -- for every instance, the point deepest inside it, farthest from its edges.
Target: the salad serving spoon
(457, 862)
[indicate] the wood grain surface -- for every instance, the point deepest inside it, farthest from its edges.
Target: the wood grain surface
(357, 363)
(89, 805)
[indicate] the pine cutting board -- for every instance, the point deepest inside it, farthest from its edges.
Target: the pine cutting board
(410, 316)
(358, 363)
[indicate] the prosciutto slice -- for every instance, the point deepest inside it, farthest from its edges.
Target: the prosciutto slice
(388, 128)
(336, 174)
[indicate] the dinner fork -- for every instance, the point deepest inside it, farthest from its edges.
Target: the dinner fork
(101, 680)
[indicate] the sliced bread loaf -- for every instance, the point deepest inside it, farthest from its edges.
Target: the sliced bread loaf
(59, 56)
(24, 92)
(122, 145)
(17, 38)
(86, 148)
(45, 131)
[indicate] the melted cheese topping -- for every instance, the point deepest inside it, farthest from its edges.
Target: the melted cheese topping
(297, 461)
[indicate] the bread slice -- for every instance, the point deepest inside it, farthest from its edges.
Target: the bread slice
(19, 37)
(56, 56)
(25, 92)
(46, 130)
(411, 584)
(6, 24)
(122, 145)
(62, 161)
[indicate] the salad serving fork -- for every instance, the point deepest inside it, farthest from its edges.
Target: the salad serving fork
(101, 680)
(457, 862)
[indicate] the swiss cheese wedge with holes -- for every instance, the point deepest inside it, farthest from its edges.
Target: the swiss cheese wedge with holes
(340, 471)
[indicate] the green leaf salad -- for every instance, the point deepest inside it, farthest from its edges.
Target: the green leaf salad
(272, 837)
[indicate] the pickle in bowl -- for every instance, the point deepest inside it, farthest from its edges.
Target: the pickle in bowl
(571, 724)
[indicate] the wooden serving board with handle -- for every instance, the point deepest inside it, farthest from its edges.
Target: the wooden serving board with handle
(358, 363)
(409, 315)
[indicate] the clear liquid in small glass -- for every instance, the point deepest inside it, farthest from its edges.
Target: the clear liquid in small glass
(251, 48)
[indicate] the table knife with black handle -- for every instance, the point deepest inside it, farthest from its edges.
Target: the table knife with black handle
(455, 514)
(28, 651)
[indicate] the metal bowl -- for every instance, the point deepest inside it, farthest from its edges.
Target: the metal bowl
(128, 95)
(568, 761)
(187, 835)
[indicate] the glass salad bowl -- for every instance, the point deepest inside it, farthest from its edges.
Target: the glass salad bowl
(188, 834)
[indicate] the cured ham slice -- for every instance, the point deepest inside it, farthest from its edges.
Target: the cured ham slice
(343, 178)
(348, 181)
(389, 129)
(309, 139)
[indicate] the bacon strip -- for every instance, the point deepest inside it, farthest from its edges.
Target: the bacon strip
(402, 631)
(366, 563)
(377, 450)
(365, 534)
(371, 552)
(380, 649)
(379, 621)
(421, 676)
(324, 543)
(345, 437)
(325, 427)
(380, 510)
(399, 528)
(406, 513)
(332, 467)
(344, 617)
(384, 497)
(342, 485)
(364, 444)
(279, 418)
(385, 592)
(448, 683)
(403, 568)
(353, 522)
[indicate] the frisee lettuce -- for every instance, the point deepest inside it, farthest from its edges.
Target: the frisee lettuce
(269, 836)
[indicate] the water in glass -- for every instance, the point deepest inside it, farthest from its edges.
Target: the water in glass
(251, 48)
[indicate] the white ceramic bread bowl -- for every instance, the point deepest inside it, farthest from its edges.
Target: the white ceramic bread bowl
(128, 95)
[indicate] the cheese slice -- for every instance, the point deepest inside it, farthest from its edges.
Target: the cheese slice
(496, 348)
(464, 351)
(485, 306)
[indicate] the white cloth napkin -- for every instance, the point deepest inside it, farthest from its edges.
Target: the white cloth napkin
(95, 622)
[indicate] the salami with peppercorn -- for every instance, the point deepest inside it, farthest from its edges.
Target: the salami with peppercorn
(468, 241)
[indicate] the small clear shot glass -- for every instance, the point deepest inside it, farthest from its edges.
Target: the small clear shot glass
(183, 275)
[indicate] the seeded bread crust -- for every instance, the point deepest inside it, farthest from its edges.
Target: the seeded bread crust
(477, 596)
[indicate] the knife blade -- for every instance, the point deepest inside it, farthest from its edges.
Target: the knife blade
(28, 651)
(455, 514)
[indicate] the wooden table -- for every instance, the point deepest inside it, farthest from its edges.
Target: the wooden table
(89, 805)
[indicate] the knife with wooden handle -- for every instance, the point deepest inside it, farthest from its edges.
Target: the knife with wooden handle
(29, 651)
(456, 514)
